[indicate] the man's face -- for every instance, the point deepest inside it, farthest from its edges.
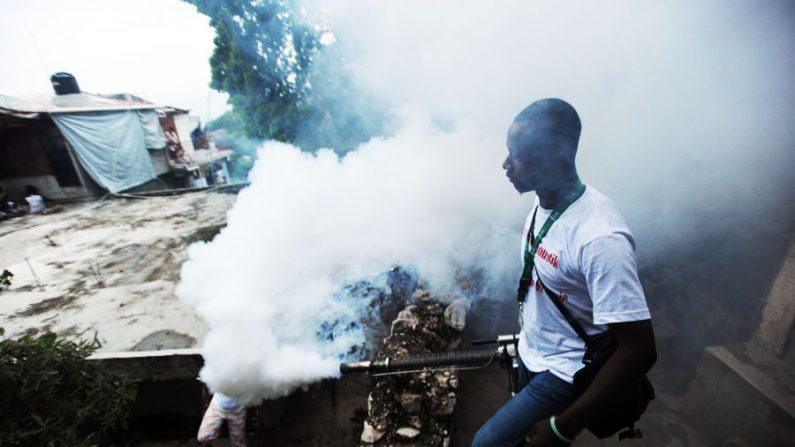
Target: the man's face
(524, 165)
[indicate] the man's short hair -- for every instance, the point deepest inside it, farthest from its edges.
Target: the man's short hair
(552, 115)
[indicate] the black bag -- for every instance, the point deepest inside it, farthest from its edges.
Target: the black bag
(625, 411)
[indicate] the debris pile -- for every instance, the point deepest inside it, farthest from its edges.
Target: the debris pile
(386, 294)
(416, 408)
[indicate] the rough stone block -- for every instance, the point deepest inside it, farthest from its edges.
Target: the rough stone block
(743, 394)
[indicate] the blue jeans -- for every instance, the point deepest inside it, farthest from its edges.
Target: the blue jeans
(543, 396)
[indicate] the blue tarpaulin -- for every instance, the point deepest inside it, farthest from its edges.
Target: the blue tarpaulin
(111, 146)
(153, 134)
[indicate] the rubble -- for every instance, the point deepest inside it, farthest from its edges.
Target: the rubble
(444, 405)
(405, 321)
(386, 294)
(420, 294)
(408, 432)
(369, 434)
(411, 403)
(456, 313)
(416, 408)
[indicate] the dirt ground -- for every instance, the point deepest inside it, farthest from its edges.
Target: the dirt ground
(107, 269)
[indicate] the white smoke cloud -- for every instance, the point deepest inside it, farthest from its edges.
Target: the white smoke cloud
(425, 198)
(686, 107)
(686, 110)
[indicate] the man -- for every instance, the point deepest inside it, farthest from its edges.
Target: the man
(586, 259)
(35, 200)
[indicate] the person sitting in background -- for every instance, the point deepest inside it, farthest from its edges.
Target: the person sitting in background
(3, 204)
(8, 208)
(35, 200)
(171, 136)
(182, 157)
(223, 407)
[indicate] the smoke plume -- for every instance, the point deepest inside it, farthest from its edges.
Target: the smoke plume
(310, 223)
(686, 114)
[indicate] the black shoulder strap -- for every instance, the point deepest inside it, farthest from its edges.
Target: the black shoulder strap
(527, 271)
(566, 314)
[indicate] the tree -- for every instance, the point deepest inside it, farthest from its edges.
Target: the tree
(283, 82)
(228, 131)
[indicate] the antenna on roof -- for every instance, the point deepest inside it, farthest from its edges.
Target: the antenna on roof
(209, 94)
(38, 51)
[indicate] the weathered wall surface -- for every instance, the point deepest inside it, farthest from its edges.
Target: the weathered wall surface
(171, 402)
(778, 315)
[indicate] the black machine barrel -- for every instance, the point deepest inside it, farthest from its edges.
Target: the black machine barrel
(459, 359)
(501, 340)
(504, 355)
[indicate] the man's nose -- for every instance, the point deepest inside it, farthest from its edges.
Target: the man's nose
(507, 163)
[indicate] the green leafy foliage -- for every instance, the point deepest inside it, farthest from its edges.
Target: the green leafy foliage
(50, 394)
(283, 83)
(228, 131)
(5, 280)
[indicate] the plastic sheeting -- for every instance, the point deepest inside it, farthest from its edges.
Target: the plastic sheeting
(111, 146)
(153, 134)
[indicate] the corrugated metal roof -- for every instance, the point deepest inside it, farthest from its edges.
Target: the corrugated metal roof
(78, 102)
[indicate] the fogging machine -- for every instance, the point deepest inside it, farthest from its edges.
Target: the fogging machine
(504, 355)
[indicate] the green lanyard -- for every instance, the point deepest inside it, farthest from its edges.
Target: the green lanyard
(530, 249)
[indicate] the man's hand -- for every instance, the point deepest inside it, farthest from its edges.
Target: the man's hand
(542, 436)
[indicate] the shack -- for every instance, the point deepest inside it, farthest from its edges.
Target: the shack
(77, 144)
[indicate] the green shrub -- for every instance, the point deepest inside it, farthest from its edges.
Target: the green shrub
(51, 395)
(5, 279)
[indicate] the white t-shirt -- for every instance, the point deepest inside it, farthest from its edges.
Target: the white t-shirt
(36, 203)
(588, 257)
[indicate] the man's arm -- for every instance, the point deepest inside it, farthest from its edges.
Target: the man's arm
(634, 356)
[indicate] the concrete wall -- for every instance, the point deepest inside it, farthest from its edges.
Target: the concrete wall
(481, 393)
(325, 414)
(744, 395)
(159, 161)
(171, 401)
(46, 184)
(746, 391)
(184, 127)
(778, 316)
